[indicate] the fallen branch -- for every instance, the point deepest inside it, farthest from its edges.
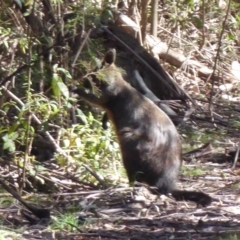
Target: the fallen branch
(177, 59)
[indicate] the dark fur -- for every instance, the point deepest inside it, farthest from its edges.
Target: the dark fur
(149, 142)
(146, 92)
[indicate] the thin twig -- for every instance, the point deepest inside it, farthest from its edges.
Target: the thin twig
(95, 175)
(218, 52)
(81, 47)
(236, 156)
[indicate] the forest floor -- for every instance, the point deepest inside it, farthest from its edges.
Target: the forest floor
(122, 212)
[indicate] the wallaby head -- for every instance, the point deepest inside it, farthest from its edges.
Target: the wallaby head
(105, 82)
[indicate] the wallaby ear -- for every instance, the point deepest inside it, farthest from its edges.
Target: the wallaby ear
(110, 57)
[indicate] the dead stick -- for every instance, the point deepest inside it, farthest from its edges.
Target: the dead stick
(236, 156)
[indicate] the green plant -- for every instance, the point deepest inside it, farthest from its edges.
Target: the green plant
(193, 172)
(6, 201)
(90, 144)
(65, 222)
(231, 236)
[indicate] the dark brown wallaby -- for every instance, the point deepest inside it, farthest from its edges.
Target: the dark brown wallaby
(149, 142)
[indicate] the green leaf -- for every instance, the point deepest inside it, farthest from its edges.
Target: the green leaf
(12, 136)
(6, 43)
(59, 88)
(54, 107)
(64, 90)
(9, 145)
(78, 142)
(66, 72)
(55, 67)
(106, 15)
(55, 81)
(66, 143)
(81, 115)
(197, 22)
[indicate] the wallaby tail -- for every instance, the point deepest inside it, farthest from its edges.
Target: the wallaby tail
(198, 197)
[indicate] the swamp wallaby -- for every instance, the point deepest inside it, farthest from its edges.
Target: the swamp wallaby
(149, 142)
